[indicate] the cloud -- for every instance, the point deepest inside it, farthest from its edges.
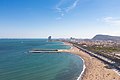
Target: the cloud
(112, 21)
(72, 6)
(64, 6)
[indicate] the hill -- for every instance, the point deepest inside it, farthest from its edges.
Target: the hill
(106, 37)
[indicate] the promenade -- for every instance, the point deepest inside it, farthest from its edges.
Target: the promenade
(96, 66)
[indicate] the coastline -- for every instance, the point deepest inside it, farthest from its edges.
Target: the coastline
(96, 71)
(84, 67)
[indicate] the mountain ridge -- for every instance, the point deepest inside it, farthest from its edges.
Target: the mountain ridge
(106, 37)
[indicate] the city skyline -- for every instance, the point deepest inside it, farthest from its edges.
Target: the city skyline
(59, 18)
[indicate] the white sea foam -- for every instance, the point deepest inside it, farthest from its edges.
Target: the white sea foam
(117, 71)
(84, 67)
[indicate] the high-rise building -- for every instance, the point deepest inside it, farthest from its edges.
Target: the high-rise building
(49, 38)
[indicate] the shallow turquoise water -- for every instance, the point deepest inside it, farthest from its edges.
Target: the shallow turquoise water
(16, 63)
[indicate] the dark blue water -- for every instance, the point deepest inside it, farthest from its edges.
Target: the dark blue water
(16, 63)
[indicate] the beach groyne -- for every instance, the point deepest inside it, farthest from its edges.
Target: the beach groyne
(49, 50)
(96, 71)
(102, 58)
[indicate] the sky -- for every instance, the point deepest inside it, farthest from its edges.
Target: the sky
(59, 18)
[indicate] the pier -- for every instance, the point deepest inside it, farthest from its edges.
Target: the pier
(48, 50)
(72, 50)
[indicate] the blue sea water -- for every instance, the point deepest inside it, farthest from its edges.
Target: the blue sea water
(16, 63)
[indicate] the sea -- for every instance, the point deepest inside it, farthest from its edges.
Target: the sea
(17, 63)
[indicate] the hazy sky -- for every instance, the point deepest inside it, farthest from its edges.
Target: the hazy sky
(59, 18)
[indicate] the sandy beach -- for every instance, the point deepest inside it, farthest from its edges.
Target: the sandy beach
(95, 69)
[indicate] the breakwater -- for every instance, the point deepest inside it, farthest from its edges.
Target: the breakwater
(48, 50)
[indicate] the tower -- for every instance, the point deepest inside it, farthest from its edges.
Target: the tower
(49, 38)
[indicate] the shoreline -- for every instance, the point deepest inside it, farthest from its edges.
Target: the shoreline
(84, 67)
(96, 71)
